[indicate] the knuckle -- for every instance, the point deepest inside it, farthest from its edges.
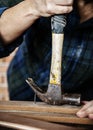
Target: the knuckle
(68, 9)
(49, 8)
(70, 2)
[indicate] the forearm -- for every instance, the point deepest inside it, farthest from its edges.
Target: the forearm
(15, 21)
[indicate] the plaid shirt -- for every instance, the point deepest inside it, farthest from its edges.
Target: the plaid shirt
(33, 59)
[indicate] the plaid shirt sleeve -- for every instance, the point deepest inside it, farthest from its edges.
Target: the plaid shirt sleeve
(6, 50)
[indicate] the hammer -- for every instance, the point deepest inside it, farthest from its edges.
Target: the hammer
(54, 94)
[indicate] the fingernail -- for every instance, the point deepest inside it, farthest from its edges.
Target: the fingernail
(80, 114)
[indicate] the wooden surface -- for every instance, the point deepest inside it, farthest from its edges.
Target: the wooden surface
(45, 112)
(26, 106)
(42, 111)
(10, 120)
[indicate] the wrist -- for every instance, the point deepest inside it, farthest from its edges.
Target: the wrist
(32, 10)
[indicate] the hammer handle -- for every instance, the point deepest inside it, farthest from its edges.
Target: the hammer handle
(58, 22)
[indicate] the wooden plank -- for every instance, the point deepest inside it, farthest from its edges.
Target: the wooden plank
(57, 118)
(42, 111)
(23, 123)
(30, 106)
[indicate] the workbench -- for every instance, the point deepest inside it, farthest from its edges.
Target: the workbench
(40, 116)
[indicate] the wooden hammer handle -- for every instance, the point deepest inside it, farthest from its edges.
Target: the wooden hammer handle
(58, 22)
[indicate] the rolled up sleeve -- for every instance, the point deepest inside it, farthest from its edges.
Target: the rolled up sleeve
(5, 50)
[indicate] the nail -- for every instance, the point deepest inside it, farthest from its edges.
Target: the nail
(80, 114)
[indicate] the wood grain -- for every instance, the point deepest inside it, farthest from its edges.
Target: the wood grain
(10, 120)
(39, 106)
(45, 112)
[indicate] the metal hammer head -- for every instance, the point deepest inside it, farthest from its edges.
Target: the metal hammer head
(54, 96)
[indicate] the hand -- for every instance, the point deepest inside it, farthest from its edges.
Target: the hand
(50, 7)
(14, 21)
(86, 110)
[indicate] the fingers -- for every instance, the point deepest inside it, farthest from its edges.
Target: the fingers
(63, 2)
(59, 9)
(59, 6)
(47, 8)
(86, 110)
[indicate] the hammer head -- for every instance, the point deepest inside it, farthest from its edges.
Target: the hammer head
(53, 95)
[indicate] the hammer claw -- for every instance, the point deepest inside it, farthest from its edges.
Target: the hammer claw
(33, 85)
(49, 96)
